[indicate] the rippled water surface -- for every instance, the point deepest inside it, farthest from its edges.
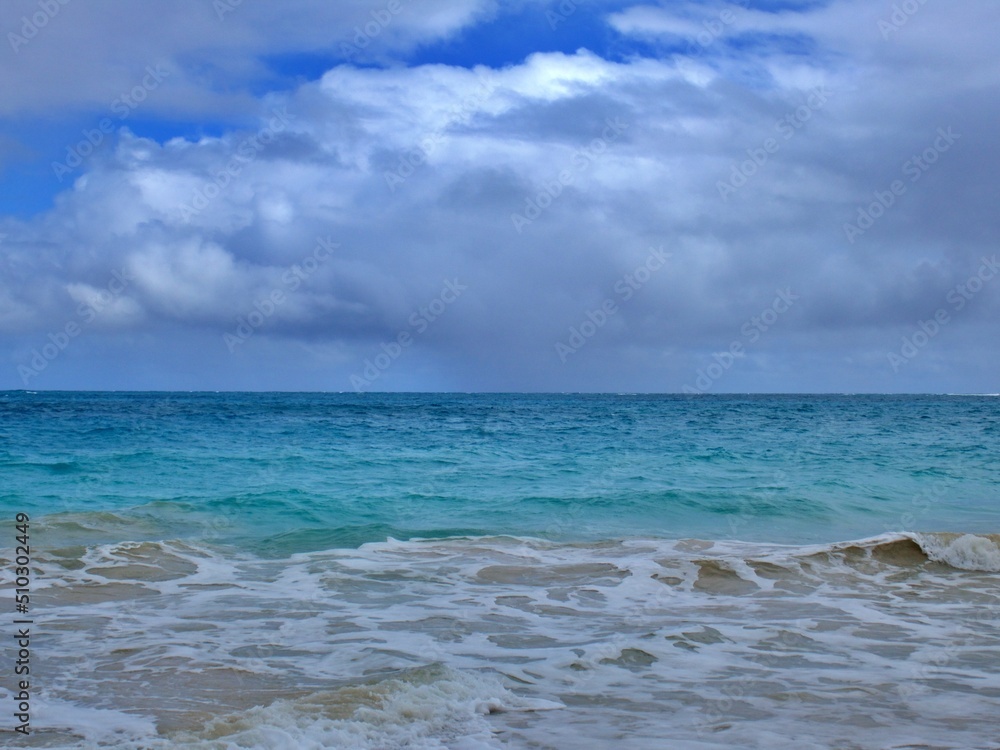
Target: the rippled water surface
(449, 571)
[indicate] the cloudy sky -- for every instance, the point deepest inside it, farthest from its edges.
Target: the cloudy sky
(465, 195)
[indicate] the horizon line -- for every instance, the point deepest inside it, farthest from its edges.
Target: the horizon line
(508, 393)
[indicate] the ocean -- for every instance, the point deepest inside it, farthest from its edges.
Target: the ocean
(429, 571)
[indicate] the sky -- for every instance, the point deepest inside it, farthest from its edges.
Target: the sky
(482, 195)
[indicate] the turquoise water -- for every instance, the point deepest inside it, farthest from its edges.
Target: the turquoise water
(461, 572)
(283, 473)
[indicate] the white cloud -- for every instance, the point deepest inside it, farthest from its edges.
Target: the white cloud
(480, 153)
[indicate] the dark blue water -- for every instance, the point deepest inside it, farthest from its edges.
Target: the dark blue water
(280, 473)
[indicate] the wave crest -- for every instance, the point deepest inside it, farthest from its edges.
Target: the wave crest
(975, 552)
(963, 551)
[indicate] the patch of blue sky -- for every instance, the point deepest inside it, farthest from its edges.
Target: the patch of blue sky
(295, 68)
(777, 6)
(514, 35)
(762, 44)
